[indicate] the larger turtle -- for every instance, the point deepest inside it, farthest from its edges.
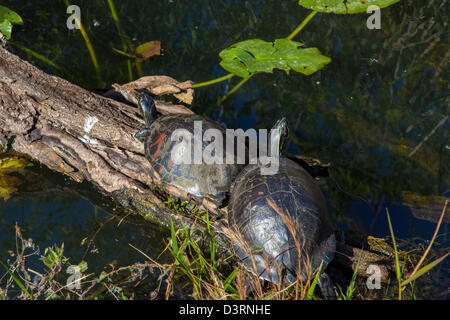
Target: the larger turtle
(169, 147)
(282, 222)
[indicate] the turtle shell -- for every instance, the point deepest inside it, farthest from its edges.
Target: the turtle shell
(200, 179)
(259, 210)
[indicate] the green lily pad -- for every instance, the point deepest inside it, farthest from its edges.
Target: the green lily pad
(344, 6)
(250, 56)
(7, 18)
(6, 28)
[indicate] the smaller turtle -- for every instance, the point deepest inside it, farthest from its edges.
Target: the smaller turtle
(276, 216)
(164, 147)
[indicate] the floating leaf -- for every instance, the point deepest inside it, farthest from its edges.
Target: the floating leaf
(148, 49)
(344, 6)
(10, 183)
(144, 51)
(250, 56)
(7, 18)
(129, 55)
(14, 162)
(6, 28)
(11, 16)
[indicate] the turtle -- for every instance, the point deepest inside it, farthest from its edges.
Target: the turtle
(276, 216)
(163, 139)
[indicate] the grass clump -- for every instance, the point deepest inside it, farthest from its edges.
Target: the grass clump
(199, 269)
(405, 279)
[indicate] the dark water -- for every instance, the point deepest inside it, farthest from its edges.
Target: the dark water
(384, 93)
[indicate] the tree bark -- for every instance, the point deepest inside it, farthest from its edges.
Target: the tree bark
(91, 138)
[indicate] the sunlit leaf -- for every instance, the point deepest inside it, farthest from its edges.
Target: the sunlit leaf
(6, 28)
(311, 289)
(7, 18)
(148, 49)
(11, 16)
(344, 6)
(10, 183)
(144, 51)
(14, 163)
(250, 56)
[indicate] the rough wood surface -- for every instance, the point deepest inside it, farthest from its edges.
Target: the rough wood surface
(77, 132)
(91, 137)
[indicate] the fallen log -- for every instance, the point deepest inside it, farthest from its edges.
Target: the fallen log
(90, 137)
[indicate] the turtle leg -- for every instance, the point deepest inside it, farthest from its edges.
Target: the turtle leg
(325, 253)
(141, 134)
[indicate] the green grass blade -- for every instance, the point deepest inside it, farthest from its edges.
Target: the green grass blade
(39, 57)
(227, 283)
(425, 269)
(432, 240)
(352, 286)
(126, 43)
(177, 253)
(89, 46)
(174, 237)
(212, 242)
(17, 281)
(397, 264)
(311, 289)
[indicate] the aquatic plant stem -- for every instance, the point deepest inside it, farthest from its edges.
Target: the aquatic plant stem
(236, 87)
(397, 264)
(302, 25)
(89, 46)
(230, 75)
(207, 83)
(39, 56)
(125, 41)
(431, 241)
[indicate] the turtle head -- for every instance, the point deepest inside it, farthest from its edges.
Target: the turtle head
(283, 131)
(147, 105)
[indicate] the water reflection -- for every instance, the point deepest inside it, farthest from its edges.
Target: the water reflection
(377, 112)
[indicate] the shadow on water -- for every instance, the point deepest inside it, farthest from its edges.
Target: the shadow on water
(384, 93)
(52, 209)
